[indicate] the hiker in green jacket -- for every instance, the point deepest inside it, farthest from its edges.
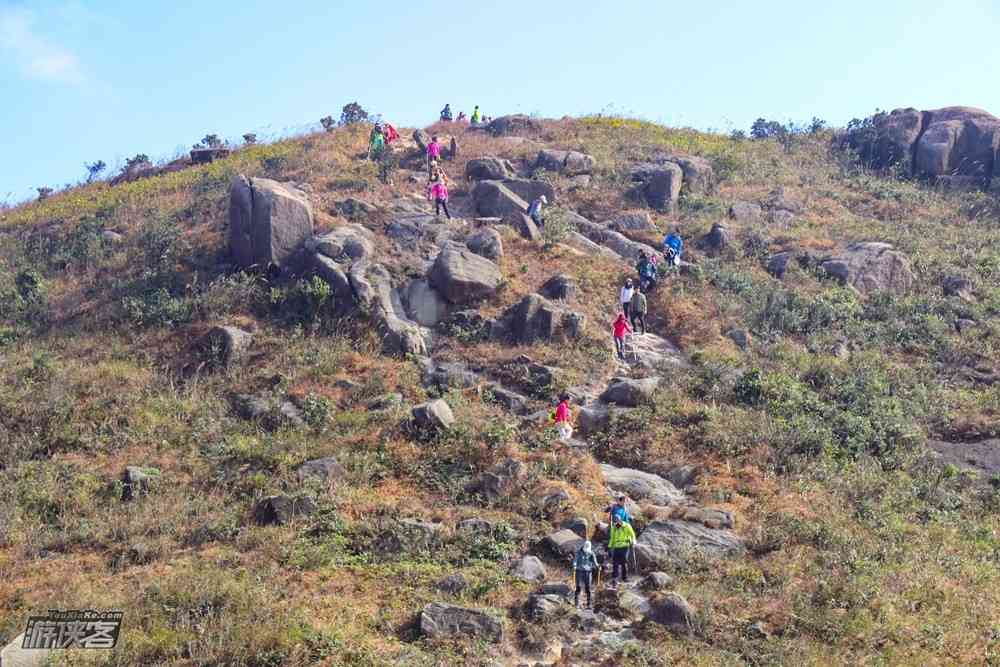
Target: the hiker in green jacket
(620, 540)
(584, 566)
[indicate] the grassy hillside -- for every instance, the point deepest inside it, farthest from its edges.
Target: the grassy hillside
(862, 549)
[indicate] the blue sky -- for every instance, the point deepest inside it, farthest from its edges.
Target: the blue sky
(106, 79)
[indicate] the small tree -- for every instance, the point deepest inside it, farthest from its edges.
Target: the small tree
(249, 138)
(212, 141)
(94, 170)
(328, 123)
(352, 113)
(817, 125)
(43, 193)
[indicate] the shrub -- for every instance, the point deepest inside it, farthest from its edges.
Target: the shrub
(328, 123)
(43, 193)
(557, 226)
(249, 138)
(157, 307)
(303, 302)
(94, 169)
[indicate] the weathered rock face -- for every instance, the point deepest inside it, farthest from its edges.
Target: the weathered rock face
(461, 276)
(488, 168)
(424, 305)
(871, 267)
(524, 225)
(446, 621)
(137, 480)
(673, 611)
(536, 318)
(716, 240)
(227, 345)
(941, 144)
(660, 184)
(486, 243)
(958, 286)
(564, 542)
(324, 470)
(541, 606)
(635, 221)
(434, 415)
(347, 242)
(745, 210)
(372, 288)
(500, 481)
(530, 189)
(269, 223)
(494, 199)
(421, 139)
(529, 568)
(609, 238)
(639, 485)
(514, 124)
(333, 274)
(629, 392)
(561, 287)
(662, 541)
(447, 375)
(568, 163)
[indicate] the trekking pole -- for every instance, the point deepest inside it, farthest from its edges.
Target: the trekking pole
(635, 561)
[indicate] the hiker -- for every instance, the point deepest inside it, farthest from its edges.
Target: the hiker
(453, 150)
(619, 510)
(562, 419)
(439, 191)
(638, 311)
(673, 246)
(646, 268)
(377, 143)
(626, 296)
(390, 134)
(476, 116)
(462, 118)
(620, 540)
(446, 113)
(387, 164)
(434, 173)
(584, 565)
(619, 329)
(433, 152)
(535, 210)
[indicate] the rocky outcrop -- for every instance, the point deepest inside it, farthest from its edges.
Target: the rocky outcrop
(226, 345)
(498, 482)
(625, 248)
(659, 185)
(524, 225)
(663, 541)
(269, 223)
(530, 189)
(433, 416)
(488, 168)
(280, 510)
(629, 392)
(423, 303)
(567, 163)
(486, 243)
(529, 568)
(560, 287)
(494, 199)
(716, 240)
(871, 267)
(347, 242)
(325, 470)
(641, 486)
(535, 318)
(636, 221)
(446, 621)
(462, 277)
(514, 124)
(943, 144)
(373, 290)
(699, 177)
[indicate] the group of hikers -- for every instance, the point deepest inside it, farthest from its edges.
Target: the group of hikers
(477, 118)
(437, 179)
(621, 540)
(632, 298)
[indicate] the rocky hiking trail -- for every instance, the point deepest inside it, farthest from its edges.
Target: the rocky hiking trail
(419, 276)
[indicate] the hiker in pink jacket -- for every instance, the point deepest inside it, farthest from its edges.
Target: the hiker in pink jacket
(433, 152)
(439, 192)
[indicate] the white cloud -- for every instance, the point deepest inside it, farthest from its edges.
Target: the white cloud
(36, 56)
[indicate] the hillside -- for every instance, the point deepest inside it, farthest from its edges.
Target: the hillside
(806, 437)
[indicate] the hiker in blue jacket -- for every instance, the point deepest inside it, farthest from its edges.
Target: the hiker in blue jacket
(673, 246)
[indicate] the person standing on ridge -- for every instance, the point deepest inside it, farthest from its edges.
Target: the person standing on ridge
(535, 211)
(433, 153)
(584, 565)
(563, 419)
(620, 540)
(476, 116)
(453, 150)
(625, 298)
(462, 118)
(446, 113)
(619, 329)
(638, 311)
(377, 143)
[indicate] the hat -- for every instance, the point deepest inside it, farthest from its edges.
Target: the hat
(544, 199)
(587, 547)
(621, 497)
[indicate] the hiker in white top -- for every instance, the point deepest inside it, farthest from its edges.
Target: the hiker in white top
(626, 297)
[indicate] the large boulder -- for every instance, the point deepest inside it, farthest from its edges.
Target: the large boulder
(660, 184)
(434, 415)
(716, 240)
(641, 486)
(500, 481)
(446, 621)
(535, 318)
(699, 177)
(625, 248)
(672, 611)
(486, 243)
(568, 163)
(462, 277)
(629, 392)
(541, 606)
(349, 242)
(488, 168)
(227, 345)
(561, 287)
(373, 290)
(333, 274)
(663, 542)
(871, 267)
(423, 304)
(563, 542)
(635, 221)
(744, 211)
(325, 470)
(530, 189)
(280, 510)
(529, 568)
(494, 199)
(514, 124)
(269, 224)
(524, 225)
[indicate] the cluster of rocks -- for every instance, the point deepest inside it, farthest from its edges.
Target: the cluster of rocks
(867, 267)
(660, 181)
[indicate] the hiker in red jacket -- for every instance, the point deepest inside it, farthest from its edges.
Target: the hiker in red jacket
(619, 329)
(562, 418)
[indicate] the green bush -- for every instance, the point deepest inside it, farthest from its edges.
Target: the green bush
(305, 301)
(157, 307)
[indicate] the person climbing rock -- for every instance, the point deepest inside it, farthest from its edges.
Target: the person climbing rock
(584, 566)
(638, 311)
(619, 329)
(646, 268)
(476, 116)
(535, 210)
(620, 540)
(673, 246)
(433, 152)
(439, 191)
(446, 113)
(628, 290)
(563, 419)
(618, 510)
(462, 118)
